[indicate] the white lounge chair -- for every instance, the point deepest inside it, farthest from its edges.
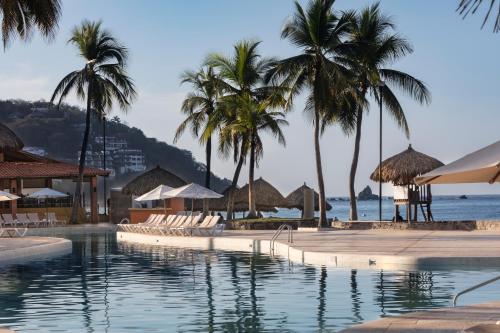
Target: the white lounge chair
(212, 228)
(23, 219)
(136, 227)
(8, 219)
(54, 220)
(10, 231)
(36, 221)
(187, 227)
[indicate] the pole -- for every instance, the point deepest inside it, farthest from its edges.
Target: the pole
(381, 84)
(104, 163)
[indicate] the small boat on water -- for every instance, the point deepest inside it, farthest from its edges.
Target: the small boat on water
(463, 197)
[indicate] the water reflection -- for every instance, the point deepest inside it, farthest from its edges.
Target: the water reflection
(108, 287)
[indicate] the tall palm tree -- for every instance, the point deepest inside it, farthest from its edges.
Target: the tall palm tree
(466, 7)
(21, 17)
(317, 31)
(241, 78)
(102, 81)
(199, 106)
(371, 46)
(253, 118)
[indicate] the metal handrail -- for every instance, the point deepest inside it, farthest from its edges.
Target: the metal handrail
(477, 286)
(277, 233)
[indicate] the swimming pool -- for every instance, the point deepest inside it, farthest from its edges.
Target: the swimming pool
(105, 286)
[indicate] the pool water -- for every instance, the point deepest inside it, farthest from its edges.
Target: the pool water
(105, 286)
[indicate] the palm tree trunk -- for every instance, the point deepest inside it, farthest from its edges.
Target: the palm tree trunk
(319, 172)
(252, 212)
(81, 165)
(208, 151)
(230, 201)
(353, 212)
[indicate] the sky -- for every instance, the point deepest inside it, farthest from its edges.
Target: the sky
(455, 58)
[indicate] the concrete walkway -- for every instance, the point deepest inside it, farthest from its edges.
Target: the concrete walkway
(481, 318)
(388, 249)
(20, 250)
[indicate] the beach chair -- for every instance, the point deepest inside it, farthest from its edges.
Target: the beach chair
(176, 223)
(36, 221)
(149, 228)
(12, 232)
(170, 221)
(54, 220)
(212, 228)
(8, 219)
(187, 227)
(137, 227)
(23, 219)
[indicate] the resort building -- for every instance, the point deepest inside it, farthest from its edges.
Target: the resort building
(119, 158)
(22, 173)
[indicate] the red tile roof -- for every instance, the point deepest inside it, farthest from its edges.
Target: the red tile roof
(10, 170)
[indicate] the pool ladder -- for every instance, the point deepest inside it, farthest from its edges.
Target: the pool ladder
(276, 235)
(477, 286)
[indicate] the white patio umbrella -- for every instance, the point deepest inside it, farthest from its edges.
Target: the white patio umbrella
(6, 196)
(158, 193)
(47, 193)
(193, 191)
(481, 166)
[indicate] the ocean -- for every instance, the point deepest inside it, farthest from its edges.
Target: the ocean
(444, 208)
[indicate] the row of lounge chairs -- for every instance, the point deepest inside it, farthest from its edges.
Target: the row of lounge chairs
(177, 225)
(29, 220)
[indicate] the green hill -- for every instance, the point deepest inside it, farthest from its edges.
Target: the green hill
(60, 131)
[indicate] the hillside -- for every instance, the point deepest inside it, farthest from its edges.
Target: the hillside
(60, 133)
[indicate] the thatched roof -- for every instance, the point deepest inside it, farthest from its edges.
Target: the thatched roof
(402, 168)
(266, 195)
(9, 141)
(296, 199)
(151, 179)
(221, 204)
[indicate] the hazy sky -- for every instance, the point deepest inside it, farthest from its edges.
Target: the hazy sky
(457, 60)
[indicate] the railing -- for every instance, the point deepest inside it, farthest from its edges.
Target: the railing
(277, 233)
(477, 286)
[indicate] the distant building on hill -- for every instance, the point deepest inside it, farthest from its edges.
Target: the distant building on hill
(119, 158)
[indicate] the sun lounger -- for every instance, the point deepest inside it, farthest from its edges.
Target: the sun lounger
(187, 227)
(8, 219)
(54, 220)
(157, 221)
(13, 232)
(212, 228)
(36, 221)
(136, 227)
(23, 219)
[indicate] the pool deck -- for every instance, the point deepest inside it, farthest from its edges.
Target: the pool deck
(21, 250)
(378, 249)
(480, 318)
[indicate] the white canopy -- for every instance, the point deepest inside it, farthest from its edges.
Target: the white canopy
(481, 166)
(6, 196)
(193, 191)
(158, 193)
(45, 193)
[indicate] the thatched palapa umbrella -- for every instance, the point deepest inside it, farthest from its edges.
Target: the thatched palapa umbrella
(267, 197)
(152, 179)
(401, 170)
(220, 205)
(9, 141)
(296, 199)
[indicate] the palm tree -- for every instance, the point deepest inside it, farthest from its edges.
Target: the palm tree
(466, 7)
(20, 17)
(199, 106)
(241, 77)
(372, 46)
(317, 32)
(253, 118)
(102, 81)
